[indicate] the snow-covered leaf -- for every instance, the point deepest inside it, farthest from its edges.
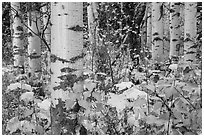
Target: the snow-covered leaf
(13, 124)
(173, 66)
(100, 73)
(117, 101)
(45, 104)
(14, 86)
(134, 93)
(87, 72)
(124, 85)
(89, 84)
(27, 96)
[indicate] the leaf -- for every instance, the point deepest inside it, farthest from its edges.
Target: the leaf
(39, 129)
(177, 114)
(131, 120)
(27, 96)
(171, 91)
(87, 124)
(28, 112)
(69, 103)
(27, 127)
(164, 116)
(13, 124)
(136, 114)
(124, 85)
(175, 132)
(45, 104)
(84, 104)
(99, 107)
(89, 84)
(97, 96)
(151, 119)
(157, 105)
(140, 102)
(149, 87)
(78, 87)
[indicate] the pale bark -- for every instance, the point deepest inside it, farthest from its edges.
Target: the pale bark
(66, 44)
(149, 27)
(190, 31)
(17, 38)
(157, 33)
(175, 29)
(92, 27)
(34, 42)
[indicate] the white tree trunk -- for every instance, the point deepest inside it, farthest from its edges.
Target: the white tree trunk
(190, 31)
(157, 33)
(175, 31)
(149, 27)
(66, 44)
(17, 39)
(34, 42)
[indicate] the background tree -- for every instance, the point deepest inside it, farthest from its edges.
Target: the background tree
(175, 29)
(34, 42)
(157, 32)
(190, 31)
(18, 36)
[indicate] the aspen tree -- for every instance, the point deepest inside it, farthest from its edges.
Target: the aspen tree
(92, 27)
(175, 29)
(190, 31)
(34, 42)
(157, 32)
(17, 39)
(66, 44)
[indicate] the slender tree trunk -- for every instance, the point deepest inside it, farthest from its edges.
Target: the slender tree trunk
(175, 31)
(157, 32)
(181, 50)
(66, 49)
(92, 26)
(17, 39)
(47, 33)
(34, 42)
(149, 27)
(166, 36)
(190, 31)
